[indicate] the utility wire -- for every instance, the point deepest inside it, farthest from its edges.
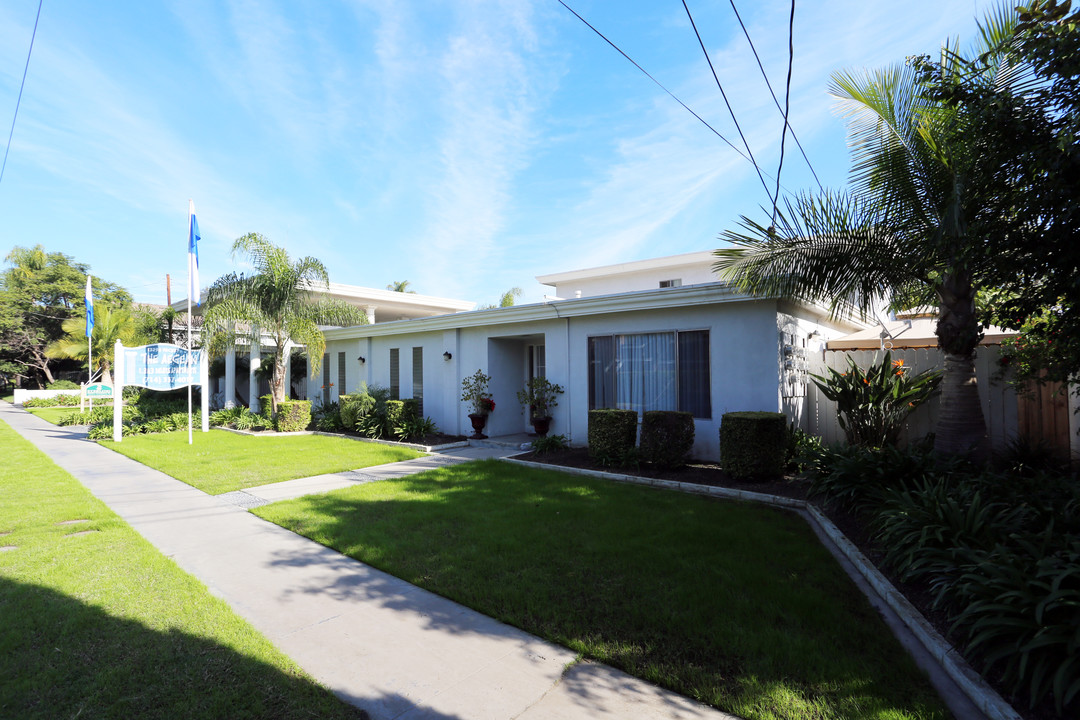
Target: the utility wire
(661, 86)
(21, 86)
(730, 111)
(787, 105)
(791, 54)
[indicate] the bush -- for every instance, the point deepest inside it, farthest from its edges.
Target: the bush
(353, 407)
(266, 405)
(62, 385)
(395, 414)
(549, 443)
(667, 437)
(871, 405)
(415, 428)
(293, 415)
(753, 444)
(54, 401)
(612, 435)
(328, 418)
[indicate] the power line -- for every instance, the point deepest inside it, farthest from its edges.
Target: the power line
(791, 55)
(21, 86)
(787, 104)
(728, 104)
(661, 86)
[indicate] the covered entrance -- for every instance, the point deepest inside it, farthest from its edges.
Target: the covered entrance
(512, 362)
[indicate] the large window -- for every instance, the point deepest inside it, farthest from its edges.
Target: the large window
(651, 371)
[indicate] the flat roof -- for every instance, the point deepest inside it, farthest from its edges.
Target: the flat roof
(661, 263)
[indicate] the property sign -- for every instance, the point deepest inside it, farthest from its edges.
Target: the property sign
(161, 366)
(98, 390)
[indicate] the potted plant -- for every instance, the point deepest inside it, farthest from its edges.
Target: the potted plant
(539, 397)
(474, 390)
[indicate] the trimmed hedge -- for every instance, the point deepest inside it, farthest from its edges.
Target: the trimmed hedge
(753, 445)
(667, 437)
(612, 435)
(395, 413)
(293, 415)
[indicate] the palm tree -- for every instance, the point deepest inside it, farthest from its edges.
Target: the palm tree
(909, 230)
(109, 326)
(401, 286)
(507, 299)
(282, 298)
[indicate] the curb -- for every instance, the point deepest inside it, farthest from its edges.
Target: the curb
(985, 698)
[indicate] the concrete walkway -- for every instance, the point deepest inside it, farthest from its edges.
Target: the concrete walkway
(378, 642)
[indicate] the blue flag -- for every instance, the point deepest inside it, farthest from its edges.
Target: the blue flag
(89, 308)
(193, 255)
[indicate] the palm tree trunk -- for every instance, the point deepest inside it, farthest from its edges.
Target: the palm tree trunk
(961, 428)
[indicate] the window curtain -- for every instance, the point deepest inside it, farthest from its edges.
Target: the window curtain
(645, 372)
(601, 373)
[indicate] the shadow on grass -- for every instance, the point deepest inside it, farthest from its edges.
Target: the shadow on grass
(62, 658)
(735, 604)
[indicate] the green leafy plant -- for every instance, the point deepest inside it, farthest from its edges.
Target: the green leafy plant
(612, 436)
(667, 437)
(62, 385)
(539, 396)
(752, 444)
(474, 390)
(872, 404)
(414, 428)
(549, 444)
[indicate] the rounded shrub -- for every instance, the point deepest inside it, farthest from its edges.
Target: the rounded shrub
(667, 437)
(612, 435)
(293, 415)
(753, 445)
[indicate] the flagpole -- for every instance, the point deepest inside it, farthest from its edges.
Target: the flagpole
(191, 238)
(89, 300)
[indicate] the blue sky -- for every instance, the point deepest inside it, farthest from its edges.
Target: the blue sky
(465, 146)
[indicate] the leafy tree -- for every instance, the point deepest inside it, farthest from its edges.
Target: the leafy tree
(912, 228)
(283, 299)
(401, 286)
(507, 299)
(1028, 132)
(109, 326)
(38, 292)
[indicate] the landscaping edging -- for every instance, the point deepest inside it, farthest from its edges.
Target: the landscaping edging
(392, 443)
(971, 683)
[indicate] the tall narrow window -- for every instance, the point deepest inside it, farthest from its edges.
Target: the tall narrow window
(395, 375)
(340, 374)
(695, 390)
(601, 372)
(326, 381)
(418, 379)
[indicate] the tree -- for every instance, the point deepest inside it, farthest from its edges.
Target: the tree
(400, 286)
(911, 228)
(1029, 132)
(283, 299)
(507, 299)
(109, 326)
(37, 294)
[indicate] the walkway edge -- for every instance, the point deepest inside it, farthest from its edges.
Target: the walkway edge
(971, 683)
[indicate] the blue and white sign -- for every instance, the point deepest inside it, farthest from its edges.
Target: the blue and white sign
(161, 366)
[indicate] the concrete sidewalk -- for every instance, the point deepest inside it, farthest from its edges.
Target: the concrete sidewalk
(378, 642)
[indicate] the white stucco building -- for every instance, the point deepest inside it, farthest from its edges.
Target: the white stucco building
(657, 334)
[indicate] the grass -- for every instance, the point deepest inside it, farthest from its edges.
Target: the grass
(219, 461)
(53, 414)
(736, 605)
(99, 624)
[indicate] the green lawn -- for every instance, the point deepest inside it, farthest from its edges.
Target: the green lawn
(736, 605)
(53, 414)
(98, 624)
(219, 461)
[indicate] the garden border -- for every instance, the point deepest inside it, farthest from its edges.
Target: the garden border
(392, 443)
(970, 683)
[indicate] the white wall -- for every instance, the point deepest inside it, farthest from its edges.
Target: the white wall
(634, 281)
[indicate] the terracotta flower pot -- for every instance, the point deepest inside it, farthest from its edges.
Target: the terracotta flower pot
(478, 423)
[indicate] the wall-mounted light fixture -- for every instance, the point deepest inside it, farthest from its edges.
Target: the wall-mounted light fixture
(361, 359)
(446, 355)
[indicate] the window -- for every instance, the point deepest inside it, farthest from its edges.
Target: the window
(537, 361)
(671, 283)
(340, 374)
(651, 371)
(418, 379)
(326, 379)
(395, 375)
